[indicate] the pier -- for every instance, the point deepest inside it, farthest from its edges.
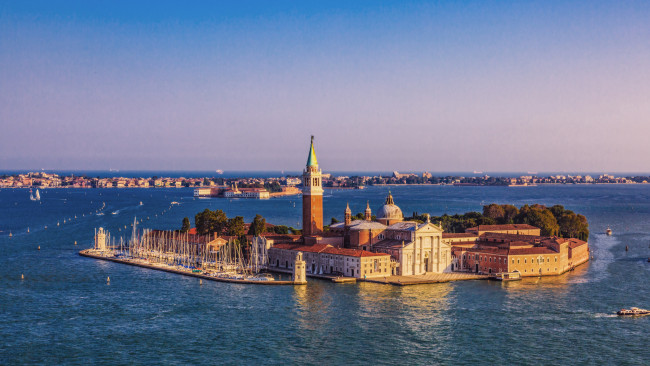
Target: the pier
(165, 268)
(425, 279)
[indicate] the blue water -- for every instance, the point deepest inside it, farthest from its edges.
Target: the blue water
(64, 312)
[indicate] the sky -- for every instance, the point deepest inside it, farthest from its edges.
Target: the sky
(382, 85)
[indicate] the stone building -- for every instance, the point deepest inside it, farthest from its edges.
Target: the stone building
(530, 255)
(324, 259)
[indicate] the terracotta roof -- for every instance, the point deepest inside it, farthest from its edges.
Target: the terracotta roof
(326, 248)
(390, 243)
(574, 243)
(533, 250)
(488, 250)
(458, 235)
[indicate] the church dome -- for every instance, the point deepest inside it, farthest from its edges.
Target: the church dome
(390, 211)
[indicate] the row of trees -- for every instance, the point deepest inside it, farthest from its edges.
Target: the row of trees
(209, 222)
(555, 220)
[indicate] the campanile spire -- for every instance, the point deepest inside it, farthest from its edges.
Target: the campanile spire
(312, 195)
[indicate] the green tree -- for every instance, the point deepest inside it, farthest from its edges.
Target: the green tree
(334, 221)
(281, 229)
(236, 226)
(208, 222)
(186, 225)
(495, 212)
(258, 226)
(539, 216)
(510, 212)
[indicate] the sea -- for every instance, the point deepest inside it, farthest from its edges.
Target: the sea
(65, 312)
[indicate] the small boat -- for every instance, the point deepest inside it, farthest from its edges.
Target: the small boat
(140, 203)
(36, 197)
(608, 231)
(508, 276)
(219, 171)
(633, 312)
(174, 203)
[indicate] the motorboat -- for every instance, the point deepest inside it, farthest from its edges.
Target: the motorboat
(608, 231)
(508, 276)
(633, 312)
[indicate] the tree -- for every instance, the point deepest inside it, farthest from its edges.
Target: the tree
(208, 222)
(236, 226)
(281, 229)
(510, 212)
(258, 226)
(494, 211)
(334, 221)
(186, 225)
(539, 216)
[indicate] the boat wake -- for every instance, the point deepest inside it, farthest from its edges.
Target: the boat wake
(115, 212)
(100, 214)
(601, 249)
(605, 315)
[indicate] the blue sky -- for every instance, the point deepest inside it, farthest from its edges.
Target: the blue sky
(384, 85)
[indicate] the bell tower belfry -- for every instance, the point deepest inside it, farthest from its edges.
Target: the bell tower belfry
(312, 196)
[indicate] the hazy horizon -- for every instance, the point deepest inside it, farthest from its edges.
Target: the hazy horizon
(383, 85)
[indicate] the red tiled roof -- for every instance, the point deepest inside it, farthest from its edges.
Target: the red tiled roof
(574, 243)
(457, 235)
(326, 248)
(533, 250)
(503, 227)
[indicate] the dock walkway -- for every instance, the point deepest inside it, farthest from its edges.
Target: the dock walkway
(86, 253)
(425, 279)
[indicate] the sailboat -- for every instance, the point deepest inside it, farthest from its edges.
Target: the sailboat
(36, 197)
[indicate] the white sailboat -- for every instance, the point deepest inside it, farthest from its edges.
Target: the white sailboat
(33, 197)
(36, 197)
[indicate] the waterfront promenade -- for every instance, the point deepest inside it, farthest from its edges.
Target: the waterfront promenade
(425, 278)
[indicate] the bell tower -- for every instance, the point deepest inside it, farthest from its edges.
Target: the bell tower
(312, 196)
(368, 213)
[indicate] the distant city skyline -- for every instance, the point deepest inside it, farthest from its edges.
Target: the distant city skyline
(383, 85)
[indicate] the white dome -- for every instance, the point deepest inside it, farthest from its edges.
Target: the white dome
(390, 211)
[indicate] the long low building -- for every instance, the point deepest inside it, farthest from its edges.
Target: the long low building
(325, 259)
(530, 255)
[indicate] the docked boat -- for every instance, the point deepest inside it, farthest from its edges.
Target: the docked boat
(608, 231)
(633, 312)
(508, 276)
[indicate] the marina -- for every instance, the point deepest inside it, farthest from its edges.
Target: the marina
(206, 275)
